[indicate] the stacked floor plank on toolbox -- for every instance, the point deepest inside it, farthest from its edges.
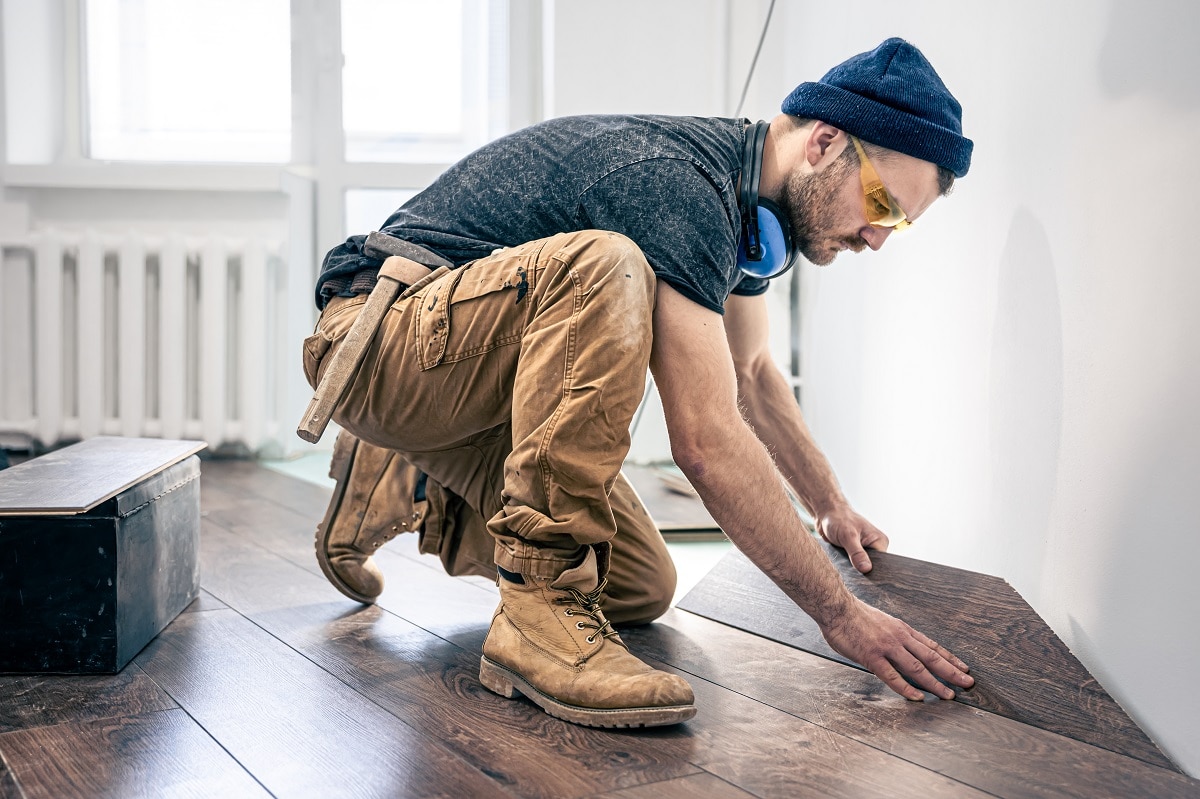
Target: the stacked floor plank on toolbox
(273, 684)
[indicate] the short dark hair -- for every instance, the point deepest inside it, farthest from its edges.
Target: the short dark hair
(945, 181)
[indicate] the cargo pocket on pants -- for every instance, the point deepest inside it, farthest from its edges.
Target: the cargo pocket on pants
(316, 347)
(469, 314)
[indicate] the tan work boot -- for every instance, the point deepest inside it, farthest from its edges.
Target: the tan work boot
(549, 640)
(372, 504)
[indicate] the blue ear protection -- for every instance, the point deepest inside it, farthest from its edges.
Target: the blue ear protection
(765, 250)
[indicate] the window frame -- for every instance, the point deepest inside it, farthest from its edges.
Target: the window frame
(318, 146)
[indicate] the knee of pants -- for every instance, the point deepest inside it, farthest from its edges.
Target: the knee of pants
(598, 253)
(642, 596)
(651, 606)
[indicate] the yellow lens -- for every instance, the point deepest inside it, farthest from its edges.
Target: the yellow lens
(881, 208)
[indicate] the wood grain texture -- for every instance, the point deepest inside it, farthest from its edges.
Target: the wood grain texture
(155, 754)
(989, 752)
(431, 683)
(315, 695)
(690, 787)
(205, 601)
(39, 701)
(9, 787)
(1022, 669)
(81, 476)
(430, 680)
(297, 728)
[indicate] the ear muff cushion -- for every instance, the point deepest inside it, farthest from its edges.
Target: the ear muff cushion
(772, 233)
(776, 241)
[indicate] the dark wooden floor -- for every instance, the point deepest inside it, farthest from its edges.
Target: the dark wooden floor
(273, 684)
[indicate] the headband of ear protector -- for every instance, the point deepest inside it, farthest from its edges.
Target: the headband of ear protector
(765, 250)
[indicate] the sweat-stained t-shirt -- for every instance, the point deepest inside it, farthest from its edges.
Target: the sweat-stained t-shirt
(668, 183)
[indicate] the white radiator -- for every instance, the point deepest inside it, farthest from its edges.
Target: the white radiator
(142, 335)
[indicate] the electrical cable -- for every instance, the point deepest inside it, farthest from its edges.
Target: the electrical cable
(754, 61)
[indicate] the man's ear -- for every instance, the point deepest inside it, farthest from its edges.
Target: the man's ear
(824, 144)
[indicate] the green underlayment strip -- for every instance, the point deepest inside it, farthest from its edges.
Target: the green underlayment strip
(1022, 669)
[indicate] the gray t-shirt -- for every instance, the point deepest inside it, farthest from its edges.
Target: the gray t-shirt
(668, 183)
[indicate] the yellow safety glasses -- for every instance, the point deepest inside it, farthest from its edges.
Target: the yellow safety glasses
(881, 207)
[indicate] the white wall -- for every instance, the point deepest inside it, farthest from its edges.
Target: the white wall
(1012, 386)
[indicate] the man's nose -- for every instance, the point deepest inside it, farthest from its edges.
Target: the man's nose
(875, 236)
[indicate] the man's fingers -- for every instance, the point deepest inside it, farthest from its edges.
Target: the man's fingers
(858, 556)
(948, 656)
(878, 542)
(885, 671)
(918, 672)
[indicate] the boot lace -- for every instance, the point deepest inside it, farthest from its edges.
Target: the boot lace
(588, 606)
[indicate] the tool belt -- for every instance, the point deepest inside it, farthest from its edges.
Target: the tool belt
(399, 277)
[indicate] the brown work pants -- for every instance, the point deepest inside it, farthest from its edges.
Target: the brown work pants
(512, 382)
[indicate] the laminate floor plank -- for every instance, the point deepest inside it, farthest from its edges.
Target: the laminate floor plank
(735, 737)
(690, 787)
(770, 752)
(990, 752)
(28, 701)
(772, 717)
(300, 731)
(205, 601)
(431, 683)
(243, 479)
(1022, 669)
(149, 755)
(79, 477)
(233, 500)
(9, 787)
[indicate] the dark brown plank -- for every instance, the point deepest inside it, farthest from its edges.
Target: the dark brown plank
(689, 787)
(81, 476)
(1022, 669)
(296, 728)
(28, 701)
(670, 500)
(734, 735)
(995, 754)
(277, 512)
(412, 677)
(154, 754)
(432, 683)
(241, 478)
(769, 752)
(429, 682)
(9, 787)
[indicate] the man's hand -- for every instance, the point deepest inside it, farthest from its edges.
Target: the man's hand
(850, 531)
(893, 651)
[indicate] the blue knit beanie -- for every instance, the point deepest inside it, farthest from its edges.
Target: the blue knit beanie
(891, 97)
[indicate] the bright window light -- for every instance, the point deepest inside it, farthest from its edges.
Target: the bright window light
(422, 81)
(200, 81)
(367, 209)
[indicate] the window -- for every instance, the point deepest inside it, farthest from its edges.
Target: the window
(195, 81)
(422, 81)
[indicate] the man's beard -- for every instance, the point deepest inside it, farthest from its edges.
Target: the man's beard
(809, 202)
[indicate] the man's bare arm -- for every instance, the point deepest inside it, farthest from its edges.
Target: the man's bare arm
(740, 486)
(766, 398)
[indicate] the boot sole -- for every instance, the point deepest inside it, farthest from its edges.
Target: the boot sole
(510, 685)
(327, 569)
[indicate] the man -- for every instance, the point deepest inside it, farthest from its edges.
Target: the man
(493, 408)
